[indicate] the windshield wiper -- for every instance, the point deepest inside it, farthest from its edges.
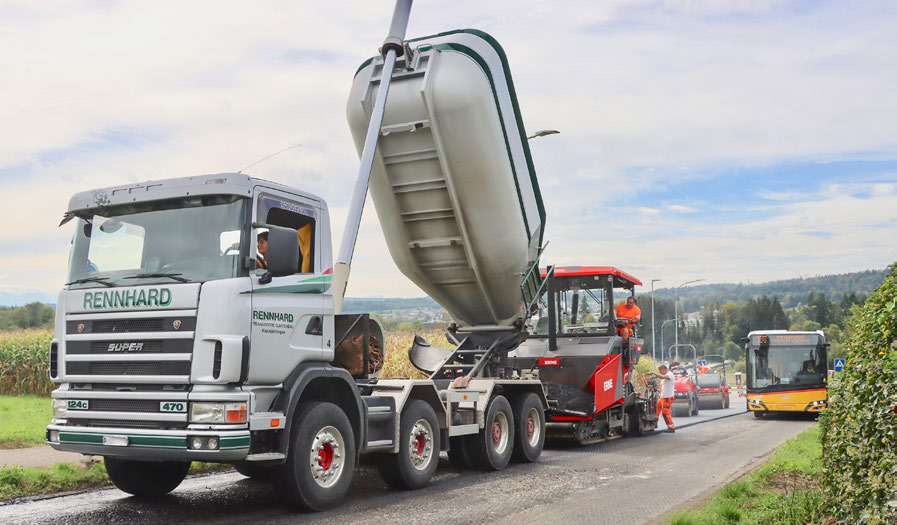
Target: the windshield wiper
(101, 280)
(175, 276)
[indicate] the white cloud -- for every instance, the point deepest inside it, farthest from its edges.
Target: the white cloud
(679, 208)
(98, 94)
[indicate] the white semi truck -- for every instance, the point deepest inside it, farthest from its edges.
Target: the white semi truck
(173, 345)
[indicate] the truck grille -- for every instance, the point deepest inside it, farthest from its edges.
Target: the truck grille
(125, 405)
(117, 423)
(129, 368)
(154, 346)
(115, 326)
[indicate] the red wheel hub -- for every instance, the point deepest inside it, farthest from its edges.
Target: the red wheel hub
(325, 456)
(419, 444)
(496, 432)
(530, 427)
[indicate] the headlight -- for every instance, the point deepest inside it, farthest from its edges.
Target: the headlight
(218, 412)
(59, 408)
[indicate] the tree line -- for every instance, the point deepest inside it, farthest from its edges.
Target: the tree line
(32, 315)
(790, 292)
(716, 328)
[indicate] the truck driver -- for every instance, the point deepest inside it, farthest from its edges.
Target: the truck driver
(261, 260)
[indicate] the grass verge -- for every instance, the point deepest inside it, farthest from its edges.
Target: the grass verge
(23, 420)
(18, 482)
(785, 490)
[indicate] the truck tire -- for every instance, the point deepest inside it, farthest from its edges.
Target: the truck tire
(255, 471)
(415, 464)
(318, 469)
(758, 414)
(146, 478)
(458, 453)
(529, 416)
(491, 447)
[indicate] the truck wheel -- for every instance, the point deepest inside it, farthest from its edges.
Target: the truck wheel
(491, 448)
(458, 452)
(146, 478)
(758, 414)
(255, 471)
(318, 469)
(415, 464)
(529, 415)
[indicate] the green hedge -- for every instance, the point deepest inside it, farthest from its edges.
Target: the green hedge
(860, 427)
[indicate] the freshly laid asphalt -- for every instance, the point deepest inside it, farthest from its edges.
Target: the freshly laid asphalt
(631, 480)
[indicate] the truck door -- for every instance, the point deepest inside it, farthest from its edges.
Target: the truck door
(287, 321)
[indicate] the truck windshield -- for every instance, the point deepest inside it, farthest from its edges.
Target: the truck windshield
(786, 367)
(189, 239)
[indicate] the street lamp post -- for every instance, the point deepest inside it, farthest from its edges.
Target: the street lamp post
(653, 337)
(676, 304)
(662, 325)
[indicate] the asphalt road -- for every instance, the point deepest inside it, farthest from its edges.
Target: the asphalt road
(633, 480)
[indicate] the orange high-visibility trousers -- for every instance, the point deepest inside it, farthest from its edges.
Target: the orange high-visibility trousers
(663, 407)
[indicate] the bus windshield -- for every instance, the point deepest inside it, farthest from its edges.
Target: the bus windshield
(786, 367)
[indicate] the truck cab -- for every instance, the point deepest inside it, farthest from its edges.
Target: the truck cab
(169, 339)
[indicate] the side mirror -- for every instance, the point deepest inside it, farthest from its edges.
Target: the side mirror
(283, 251)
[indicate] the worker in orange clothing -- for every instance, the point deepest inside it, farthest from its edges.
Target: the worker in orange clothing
(630, 312)
(667, 394)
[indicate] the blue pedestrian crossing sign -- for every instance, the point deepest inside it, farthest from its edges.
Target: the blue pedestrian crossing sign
(839, 364)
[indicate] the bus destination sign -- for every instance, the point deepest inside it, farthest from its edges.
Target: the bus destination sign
(786, 339)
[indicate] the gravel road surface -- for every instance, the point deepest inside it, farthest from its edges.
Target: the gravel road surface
(625, 481)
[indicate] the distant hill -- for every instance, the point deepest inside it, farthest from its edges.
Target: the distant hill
(357, 305)
(791, 292)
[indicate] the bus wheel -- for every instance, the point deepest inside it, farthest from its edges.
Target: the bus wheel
(491, 448)
(529, 415)
(146, 478)
(415, 464)
(758, 414)
(318, 469)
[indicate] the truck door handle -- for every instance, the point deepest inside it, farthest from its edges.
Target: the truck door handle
(315, 326)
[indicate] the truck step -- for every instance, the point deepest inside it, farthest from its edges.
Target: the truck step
(265, 456)
(382, 443)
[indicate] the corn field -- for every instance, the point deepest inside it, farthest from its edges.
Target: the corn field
(397, 345)
(24, 361)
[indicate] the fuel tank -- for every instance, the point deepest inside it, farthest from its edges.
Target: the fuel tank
(453, 182)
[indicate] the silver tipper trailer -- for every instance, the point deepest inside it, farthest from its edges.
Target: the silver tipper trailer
(202, 317)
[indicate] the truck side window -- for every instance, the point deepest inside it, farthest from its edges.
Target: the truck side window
(302, 218)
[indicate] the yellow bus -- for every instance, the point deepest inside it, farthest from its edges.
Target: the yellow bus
(786, 372)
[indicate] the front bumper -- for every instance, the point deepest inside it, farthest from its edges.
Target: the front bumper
(169, 445)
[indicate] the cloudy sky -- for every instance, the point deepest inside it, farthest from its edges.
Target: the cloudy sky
(725, 140)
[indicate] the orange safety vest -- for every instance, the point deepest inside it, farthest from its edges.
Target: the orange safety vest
(633, 314)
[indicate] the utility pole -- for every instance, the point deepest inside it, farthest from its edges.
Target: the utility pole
(676, 305)
(653, 339)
